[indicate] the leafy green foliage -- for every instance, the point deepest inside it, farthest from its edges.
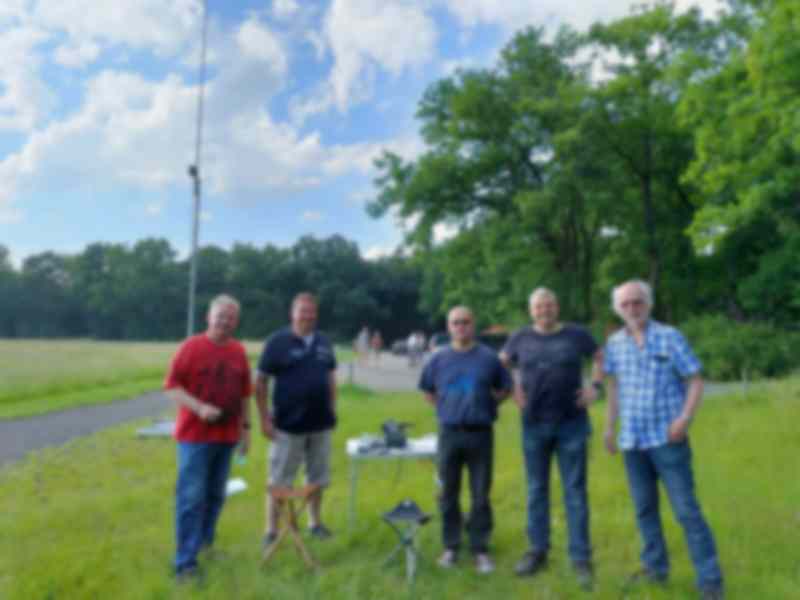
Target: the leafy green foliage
(741, 351)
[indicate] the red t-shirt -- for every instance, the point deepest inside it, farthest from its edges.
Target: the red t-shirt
(217, 374)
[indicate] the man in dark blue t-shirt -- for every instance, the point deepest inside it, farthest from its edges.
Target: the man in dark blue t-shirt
(465, 382)
(553, 402)
(303, 364)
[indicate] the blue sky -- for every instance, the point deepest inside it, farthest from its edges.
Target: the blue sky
(98, 109)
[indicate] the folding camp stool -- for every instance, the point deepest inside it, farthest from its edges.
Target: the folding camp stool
(290, 504)
(406, 519)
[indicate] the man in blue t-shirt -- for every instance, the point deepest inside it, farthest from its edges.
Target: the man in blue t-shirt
(553, 401)
(465, 382)
(303, 364)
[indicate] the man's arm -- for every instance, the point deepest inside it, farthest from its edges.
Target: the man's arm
(590, 393)
(694, 394)
(429, 398)
(262, 403)
(612, 413)
(332, 386)
(518, 394)
(206, 412)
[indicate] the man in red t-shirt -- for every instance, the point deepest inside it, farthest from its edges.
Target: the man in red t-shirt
(209, 379)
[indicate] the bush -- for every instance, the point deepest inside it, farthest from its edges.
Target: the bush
(731, 350)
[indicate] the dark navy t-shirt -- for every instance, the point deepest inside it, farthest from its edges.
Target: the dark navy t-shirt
(301, 394)
(550, 368)
(463, 382)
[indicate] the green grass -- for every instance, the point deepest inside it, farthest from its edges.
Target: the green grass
(93, 519)
(40, 376)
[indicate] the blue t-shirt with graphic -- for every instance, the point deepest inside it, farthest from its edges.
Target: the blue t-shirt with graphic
(462, 383)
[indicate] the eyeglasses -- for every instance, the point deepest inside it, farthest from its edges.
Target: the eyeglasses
(461, 322)
(634, 302)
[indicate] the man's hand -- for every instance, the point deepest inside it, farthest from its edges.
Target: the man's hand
(519, 397)
(268, 427)
(586, 395)
(610, 440)
(208, 412)
(678, 429)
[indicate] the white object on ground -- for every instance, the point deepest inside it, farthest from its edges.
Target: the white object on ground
(235, 485)
(160, 429)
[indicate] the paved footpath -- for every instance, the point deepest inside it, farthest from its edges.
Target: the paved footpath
(23, 435)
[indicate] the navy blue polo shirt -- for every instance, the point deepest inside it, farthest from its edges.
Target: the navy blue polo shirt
(301, 393)
(463, 382)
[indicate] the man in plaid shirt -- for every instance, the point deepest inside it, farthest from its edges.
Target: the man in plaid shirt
(654, 388)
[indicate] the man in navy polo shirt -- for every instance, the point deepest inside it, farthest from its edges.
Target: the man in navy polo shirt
(465, 382)
(303, 415)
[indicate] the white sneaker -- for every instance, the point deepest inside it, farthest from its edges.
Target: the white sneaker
(448, 559)
(483, 564)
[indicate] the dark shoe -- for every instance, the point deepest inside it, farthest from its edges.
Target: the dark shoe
(268, 539)
(187, 575)
(531, 563)
(646, 576)
(715, 593)
(320, 532)
(585, 574)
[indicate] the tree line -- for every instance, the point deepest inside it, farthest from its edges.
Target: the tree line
(139, 292)
(662, 145)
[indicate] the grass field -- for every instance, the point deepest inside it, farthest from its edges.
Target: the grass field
(39, 376)
(94, 519)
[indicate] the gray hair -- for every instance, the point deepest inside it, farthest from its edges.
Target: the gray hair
(644, 288)
(541, 292)
(224, 300)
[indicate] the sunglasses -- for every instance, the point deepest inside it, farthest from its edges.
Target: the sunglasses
(460, 322)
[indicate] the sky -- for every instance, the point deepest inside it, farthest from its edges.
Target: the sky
(98, 111)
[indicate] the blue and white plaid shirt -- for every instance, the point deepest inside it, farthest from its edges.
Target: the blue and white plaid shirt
(650, 384)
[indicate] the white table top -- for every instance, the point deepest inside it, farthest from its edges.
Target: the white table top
(421, 447)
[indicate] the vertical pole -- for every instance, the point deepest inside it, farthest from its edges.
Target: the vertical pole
(194, 173)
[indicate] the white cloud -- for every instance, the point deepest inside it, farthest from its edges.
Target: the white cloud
(153, 209)
(77, 56)
(257, 42)
(312, 215)
(282, 9)
(24, 98)
(392, 35)
(10, 215)
(318, 42)
(515, 14)
(206, 216)
(443, 232)
(378, 252)
(163, 27)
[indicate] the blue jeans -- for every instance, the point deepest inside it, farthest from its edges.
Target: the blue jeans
(199, 495)
(568, 441)
(672, 464)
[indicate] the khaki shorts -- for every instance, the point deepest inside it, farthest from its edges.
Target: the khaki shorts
(288, 450)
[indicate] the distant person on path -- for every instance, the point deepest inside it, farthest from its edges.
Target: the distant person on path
(303, 415)
(376, 344)
(549, 357)
(362, 345)
(465, 382)
(654, 389)
(209, 379)
(415, 347)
